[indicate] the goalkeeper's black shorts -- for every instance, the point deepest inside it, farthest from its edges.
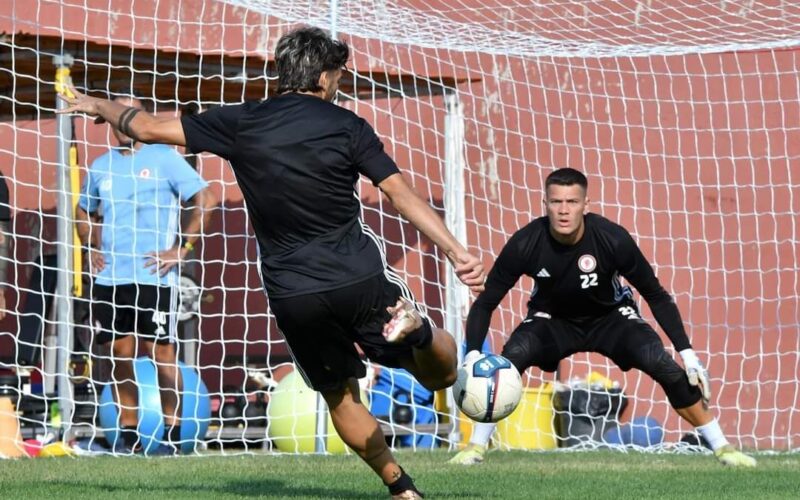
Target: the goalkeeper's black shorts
(321, 329)
(543, 341)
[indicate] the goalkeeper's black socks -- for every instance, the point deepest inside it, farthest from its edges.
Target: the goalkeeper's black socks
(422, 337)
(403, 483)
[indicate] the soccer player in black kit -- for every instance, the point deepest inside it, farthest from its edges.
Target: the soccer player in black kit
(297, 158)
(578, 304)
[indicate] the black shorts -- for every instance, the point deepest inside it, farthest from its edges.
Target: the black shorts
(148, 311)
(321, 328)
(543, 342)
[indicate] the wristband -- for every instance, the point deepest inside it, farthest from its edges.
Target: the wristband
(188, 246)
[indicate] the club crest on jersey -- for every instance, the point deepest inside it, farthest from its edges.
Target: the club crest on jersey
(587, 263)
(144, 173)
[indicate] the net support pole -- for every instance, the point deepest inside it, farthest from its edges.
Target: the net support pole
(334, 18)
(456, 294)
(321, 431)
(64, 232)
(321, 423)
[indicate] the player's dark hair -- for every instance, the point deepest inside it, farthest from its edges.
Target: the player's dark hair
(566, 177)
(303, 54)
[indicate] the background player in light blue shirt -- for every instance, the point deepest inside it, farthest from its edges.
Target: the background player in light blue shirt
(129, 214)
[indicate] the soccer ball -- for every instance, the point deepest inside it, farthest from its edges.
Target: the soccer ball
(488, 388)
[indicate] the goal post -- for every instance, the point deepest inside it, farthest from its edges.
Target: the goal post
(456, 295)
(66, 247)
(685, 118)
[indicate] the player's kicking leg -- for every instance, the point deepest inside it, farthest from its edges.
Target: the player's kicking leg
(434, 357)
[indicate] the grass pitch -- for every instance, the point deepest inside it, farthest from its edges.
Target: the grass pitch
(592, 475)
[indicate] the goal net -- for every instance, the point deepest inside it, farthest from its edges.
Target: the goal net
(685, 117)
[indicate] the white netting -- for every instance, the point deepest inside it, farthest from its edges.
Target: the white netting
(685, 116)
(562, 29)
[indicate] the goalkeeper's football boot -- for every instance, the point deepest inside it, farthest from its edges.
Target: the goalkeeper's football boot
(406, 319)
(728, 455)
(473, 454)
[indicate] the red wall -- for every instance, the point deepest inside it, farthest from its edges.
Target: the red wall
(697, 155)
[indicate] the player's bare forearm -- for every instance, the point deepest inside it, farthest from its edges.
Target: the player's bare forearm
(468, 267)
(428, 222)
(199, 216)
(419, 213)
(83, 223)
(199, 213)
(133, 122)
(141, 125)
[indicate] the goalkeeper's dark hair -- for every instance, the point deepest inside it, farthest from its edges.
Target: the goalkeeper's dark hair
(566, 177)
(303, 54)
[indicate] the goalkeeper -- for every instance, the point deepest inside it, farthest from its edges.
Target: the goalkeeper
(579, 305)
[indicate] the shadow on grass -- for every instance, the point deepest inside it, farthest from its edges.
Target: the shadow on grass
(263, 488)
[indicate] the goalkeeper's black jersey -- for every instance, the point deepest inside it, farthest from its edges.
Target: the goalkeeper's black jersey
(578, 283)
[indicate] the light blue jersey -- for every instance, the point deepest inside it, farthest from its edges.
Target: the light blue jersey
(140, 197)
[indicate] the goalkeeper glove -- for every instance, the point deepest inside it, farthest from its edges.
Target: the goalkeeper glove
(697, 373)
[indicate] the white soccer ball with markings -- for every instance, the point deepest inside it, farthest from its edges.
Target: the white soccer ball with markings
(488, 388)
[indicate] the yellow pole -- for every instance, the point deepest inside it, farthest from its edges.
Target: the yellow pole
(62, 78)
(75, 185)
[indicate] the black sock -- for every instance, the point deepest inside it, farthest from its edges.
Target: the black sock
(129, 436)
(174, 435)
(403, 483)
(422, 337)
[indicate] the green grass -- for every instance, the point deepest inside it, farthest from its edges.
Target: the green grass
(504, 475)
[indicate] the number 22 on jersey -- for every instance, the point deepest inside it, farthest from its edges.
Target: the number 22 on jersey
(588, 280)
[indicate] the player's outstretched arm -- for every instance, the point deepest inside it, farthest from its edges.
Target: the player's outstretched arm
(469, 268)
(133, 122)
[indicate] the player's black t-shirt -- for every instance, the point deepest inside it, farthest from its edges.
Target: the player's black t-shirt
(578, 283)
(297, 159)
